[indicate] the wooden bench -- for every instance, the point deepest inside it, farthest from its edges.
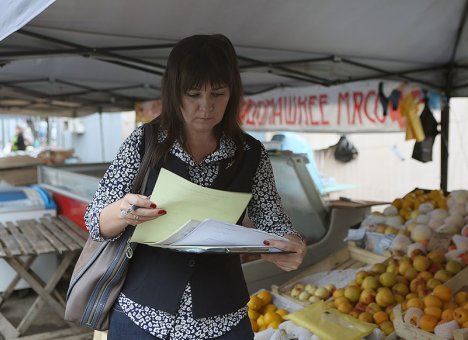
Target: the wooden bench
(20, 243)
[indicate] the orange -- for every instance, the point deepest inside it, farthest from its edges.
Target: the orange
(339, 292)
(254, 325)
(432, 301)
(255, 303)
(253, 315)
(341, 299)
(397, 203)
(270, 317)
(461, 298)
(282, 312)
(367, 317)
(345, 307)
(449, 305)
(447, 315)
(265, 295)
(461, 315)
(434, 311)
(260, 322)
(269, 308)
(380, 317)
(428, 322)
(415, 302)
(443, 292)
(441, 203)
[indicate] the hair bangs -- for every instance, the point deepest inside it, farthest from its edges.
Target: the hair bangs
(206, 66)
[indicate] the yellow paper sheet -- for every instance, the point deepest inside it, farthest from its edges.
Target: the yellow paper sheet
(184, 200)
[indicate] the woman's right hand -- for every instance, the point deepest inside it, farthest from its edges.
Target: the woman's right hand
(145, 210)
(116, 216)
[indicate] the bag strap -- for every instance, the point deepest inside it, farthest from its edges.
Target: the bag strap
(131, 228)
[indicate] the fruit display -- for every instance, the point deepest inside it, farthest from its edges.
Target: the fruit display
(418, 216)
(408, 281)
(263, 313)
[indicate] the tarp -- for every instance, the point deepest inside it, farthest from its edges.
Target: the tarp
(79, 57)
(14, 14)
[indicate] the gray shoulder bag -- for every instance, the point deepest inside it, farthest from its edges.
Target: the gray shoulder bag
(99, 275)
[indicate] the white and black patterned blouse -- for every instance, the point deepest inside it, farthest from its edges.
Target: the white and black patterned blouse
(264, 210)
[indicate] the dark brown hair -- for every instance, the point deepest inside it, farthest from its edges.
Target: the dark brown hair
(193, 62)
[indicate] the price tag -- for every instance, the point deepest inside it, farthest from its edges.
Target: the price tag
(439, 241)
(356, 234)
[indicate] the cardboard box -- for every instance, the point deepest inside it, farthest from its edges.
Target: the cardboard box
(457, 283)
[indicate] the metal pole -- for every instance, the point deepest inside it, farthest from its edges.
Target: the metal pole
(101, 127)
(444, 146)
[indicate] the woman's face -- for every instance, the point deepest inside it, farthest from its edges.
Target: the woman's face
(204, 108)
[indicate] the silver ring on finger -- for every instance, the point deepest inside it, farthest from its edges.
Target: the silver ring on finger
(136, 217)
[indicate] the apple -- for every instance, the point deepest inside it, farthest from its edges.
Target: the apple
(296, 291)
(303, 296)
(373, 308)
(378, 268)
(400, 288)
(410, 274)
(367, 296)
(322, 293)
(436, 256)
(432, 283)
(392, 268)
(404, 265)
(310, 288)
(366, 317)
(355, 313)
(352, 293)
(339, 292)
(399, 298)
(345, 307)
(314, 299)
(421, 263)
(425, 275)
(415, 283)
(384, 297)
(434, 268)
(360, 276)
(370, 282)
(442, 275)
(402, 279)
(453, 267)
(361, 306)
(387, 279)
(330, 287)
(387, 327)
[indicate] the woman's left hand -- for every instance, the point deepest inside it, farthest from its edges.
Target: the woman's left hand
(288, 261)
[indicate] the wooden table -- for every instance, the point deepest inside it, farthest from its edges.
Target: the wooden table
(20, 243)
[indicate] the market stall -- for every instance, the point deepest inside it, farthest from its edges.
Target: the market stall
(51, 67)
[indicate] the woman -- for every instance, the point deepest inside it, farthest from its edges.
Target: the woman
(175, 295)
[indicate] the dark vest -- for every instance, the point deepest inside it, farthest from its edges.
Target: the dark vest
(157, 277)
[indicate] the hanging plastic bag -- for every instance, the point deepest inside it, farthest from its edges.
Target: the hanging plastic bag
(422, 150)
(345, 150)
